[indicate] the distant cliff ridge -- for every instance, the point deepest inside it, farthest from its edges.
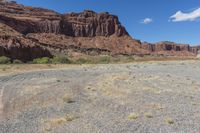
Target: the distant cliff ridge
(169, 46)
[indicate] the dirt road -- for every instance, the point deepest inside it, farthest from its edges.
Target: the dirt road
(151, 97)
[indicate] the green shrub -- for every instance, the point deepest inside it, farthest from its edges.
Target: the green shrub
(116, 59)
(83, 61)
(4, 60)
(105, 59)
(43, 60)
(130, 58)
(17, 61)
(60, 60)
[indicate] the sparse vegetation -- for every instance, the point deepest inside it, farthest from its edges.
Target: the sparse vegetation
(43, 60)
(59, 121)
(55, 122)
(5, 60)
(83, 61)
(69, 117)
(87, 59)
(17, 61)
(133, 116)
(169, 121)
(148, 115)
(68, 98)
(105, 59)
(60, 60)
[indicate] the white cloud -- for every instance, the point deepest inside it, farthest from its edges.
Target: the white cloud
(191, 16)
(147, 21)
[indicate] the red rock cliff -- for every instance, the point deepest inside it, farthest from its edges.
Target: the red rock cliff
(28, 32)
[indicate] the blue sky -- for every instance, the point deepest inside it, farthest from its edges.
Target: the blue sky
(185, 27)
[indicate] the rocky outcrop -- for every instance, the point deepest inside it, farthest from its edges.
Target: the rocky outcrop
(37, 20)
(195, 49)
(28, 19)
(21, 48)
(91, 24)
(17, 46)
(105, 45)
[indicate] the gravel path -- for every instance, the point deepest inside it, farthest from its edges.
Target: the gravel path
(151, 97)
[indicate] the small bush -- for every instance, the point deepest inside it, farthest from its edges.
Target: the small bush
(83, 61)
(43, 60)
(130, 58)
(60, 60)
(69, 117)
(105, 60)
(133, 116)
(17, 62)
(169, 121)
(67, 98)
(148, 115)
(4, 60)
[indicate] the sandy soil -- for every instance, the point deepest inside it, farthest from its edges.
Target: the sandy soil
(140, 97)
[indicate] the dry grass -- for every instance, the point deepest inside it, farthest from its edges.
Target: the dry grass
(20, 68)
(88, 59)
(155, 106)
(69, 117)
(169, 121)
(133, 116)
(148, 115)
(68, 98)
(151, 90)
(59, 121)
(91, 88)
(195, 103)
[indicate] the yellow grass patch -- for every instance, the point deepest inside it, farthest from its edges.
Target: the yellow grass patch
(133, 116)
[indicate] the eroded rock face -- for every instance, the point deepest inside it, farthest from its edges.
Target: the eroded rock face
(195, 49)
(166, 46)
(21, 48)
(37, 20)
(102, 45)
(86, 32)
(90, 24)
(16, 46)
(28, 19)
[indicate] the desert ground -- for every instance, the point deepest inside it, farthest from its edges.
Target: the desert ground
(140, 97)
